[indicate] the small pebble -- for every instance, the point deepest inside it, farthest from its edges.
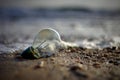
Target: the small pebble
(52, 59)
(40, 65)
(96, 65)
(78, 70)
(78, 66)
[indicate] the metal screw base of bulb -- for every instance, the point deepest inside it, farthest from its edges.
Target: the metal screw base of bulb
(29, 53)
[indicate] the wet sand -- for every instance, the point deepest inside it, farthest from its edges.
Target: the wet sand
(68, 64)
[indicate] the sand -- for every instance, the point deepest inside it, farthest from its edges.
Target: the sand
(68, 64)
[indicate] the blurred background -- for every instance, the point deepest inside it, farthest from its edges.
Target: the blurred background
(79, 21)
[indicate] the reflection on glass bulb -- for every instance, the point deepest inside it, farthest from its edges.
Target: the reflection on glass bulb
(46, 43)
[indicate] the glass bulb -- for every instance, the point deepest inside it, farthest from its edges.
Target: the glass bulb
(46, 43)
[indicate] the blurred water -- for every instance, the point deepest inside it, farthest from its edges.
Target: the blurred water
(94, 31)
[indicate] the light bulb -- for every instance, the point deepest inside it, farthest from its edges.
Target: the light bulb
(46, 43)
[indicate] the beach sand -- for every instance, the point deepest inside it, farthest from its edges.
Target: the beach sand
(68, 64)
